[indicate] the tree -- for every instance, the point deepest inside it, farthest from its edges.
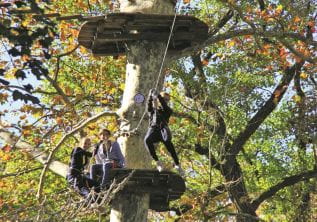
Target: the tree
(233, 98)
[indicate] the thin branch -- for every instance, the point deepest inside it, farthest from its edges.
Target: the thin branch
(62, 140)
(186, 116)
(59, 59)
(19, 172)
(297, 53)
(288, 181)
(266, 109)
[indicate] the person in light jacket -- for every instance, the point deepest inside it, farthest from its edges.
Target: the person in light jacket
(108, 155)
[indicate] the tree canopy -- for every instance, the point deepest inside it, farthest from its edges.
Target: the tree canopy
(244, 102)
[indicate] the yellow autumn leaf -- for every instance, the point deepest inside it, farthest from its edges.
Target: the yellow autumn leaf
(271, 20)
(10, 73)
(231, 43)
(122, 85)
(59, 120)
(297, 19)
(279, 8)
(297, 98)
(303, 75)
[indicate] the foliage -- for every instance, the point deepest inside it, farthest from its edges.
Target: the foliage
(216, 93)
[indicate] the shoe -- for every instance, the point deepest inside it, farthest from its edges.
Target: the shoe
(159, 166)
(179, 170)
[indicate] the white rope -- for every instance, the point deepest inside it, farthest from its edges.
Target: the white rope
(168, 42)
(162, 65)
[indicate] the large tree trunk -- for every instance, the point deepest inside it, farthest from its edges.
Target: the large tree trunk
(143, 64)
(237, 190)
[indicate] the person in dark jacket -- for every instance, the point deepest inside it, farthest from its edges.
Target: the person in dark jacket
(108, 155)
(75, 177)
(158, 128)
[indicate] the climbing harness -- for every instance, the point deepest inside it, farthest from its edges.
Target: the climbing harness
(160, 71)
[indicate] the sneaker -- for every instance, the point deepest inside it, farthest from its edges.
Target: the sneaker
(159, 166)
(179, 170)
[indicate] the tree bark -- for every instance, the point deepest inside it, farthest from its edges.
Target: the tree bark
(144, 60)
(143, 64)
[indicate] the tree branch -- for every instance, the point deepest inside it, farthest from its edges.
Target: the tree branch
(288, 181)
(62, 140)
(59, 59)
(19, 173)
(59, 90)
(297, 53)
(205, 151)
(243, 32)
(266, 109)
(222, 22)
(56, 167)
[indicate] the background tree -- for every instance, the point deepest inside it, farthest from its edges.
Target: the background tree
(246, 97)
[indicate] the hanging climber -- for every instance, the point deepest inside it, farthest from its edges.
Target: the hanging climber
(108, 155)
(158, 128)
(75, 176)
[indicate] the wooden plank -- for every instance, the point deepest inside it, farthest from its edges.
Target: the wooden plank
(148, 36)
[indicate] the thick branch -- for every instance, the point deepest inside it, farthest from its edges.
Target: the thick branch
(222, 22)
(243, 32)
(288, 181)
(265, 110)
(217, 191)
(62, 140)
(221, 125)
(59, 90)
(297, 84)
(205, 151)
(198, 67)
(56, 167)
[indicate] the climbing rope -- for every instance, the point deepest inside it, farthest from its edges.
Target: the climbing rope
(162, 65)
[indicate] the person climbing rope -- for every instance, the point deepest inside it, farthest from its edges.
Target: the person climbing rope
(158, 128)
(75, 176)
(108, 155)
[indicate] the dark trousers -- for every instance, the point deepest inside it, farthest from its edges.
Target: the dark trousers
(155, 135)
(98, 170)
(80, 183)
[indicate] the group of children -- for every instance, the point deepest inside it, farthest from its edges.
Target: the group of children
(108, 154)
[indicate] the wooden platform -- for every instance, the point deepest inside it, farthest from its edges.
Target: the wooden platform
(108, 35)
(163, 187)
